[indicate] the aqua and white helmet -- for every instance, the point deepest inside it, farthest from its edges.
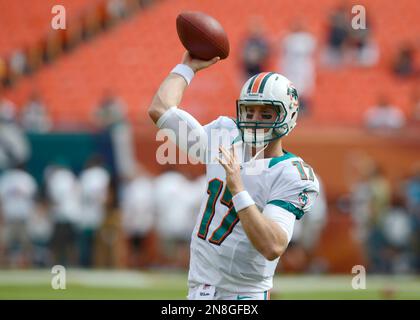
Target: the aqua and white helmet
(271, 89)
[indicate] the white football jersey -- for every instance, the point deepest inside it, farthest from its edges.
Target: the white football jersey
(17, 194)
(221, 253)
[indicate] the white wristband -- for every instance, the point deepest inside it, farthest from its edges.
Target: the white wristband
(185, 71)
(242, 200)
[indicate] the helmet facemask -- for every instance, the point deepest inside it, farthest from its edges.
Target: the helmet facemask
(255, 132)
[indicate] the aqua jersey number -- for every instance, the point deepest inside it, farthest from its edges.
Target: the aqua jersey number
(230, 219)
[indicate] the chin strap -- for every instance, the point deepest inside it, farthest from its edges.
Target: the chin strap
(259, 152)
(247, 156)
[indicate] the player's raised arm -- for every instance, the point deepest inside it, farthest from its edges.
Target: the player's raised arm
(186, 131)
(172, 88)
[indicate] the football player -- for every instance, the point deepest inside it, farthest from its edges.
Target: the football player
(246, 219)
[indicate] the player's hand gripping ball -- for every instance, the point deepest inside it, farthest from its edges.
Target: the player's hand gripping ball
(202, 35)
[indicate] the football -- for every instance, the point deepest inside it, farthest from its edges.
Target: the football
(202, 35)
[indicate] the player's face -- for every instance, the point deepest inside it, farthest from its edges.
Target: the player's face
(260, 113)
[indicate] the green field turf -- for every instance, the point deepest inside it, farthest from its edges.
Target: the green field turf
(85, 284)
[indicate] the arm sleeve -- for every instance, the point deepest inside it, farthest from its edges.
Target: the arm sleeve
(284, 218)
(189, 134)
(294, 196)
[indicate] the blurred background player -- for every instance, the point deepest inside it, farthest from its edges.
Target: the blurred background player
(116, 135)
(298, 62)
(255, 48)
(14, 145)
(337, 35)
(34, 117)
(138, 219)
(109, 247)
(63, 193)
(384, 117)
(18, 192)
(175, 219)
(94, 182)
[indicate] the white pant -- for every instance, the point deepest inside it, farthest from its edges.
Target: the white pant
(208, 292)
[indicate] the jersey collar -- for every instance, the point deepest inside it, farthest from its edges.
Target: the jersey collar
(285, 156)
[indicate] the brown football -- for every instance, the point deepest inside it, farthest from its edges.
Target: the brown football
(202, 35)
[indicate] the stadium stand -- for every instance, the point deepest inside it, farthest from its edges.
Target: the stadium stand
(119, 59)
